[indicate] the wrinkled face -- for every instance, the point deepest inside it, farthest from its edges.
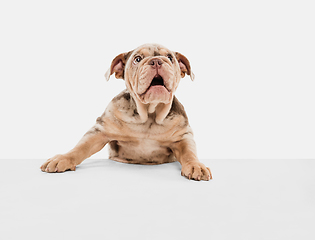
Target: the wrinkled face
(152, 72)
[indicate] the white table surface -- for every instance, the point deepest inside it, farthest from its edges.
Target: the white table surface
(103, 199)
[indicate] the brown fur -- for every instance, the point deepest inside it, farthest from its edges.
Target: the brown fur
(144, 124)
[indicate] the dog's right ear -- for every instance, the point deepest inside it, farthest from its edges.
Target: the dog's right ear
(118, 66)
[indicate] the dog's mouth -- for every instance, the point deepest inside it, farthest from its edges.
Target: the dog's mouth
(156, 87)
(157, 81)
(157, 90)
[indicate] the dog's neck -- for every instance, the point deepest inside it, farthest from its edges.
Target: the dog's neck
(161, 110)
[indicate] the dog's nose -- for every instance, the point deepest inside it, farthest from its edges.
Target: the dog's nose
(156, 63)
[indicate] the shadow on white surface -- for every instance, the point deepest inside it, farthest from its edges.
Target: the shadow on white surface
(103, 199)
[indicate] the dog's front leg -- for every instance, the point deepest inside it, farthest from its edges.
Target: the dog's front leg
(92, 142)
(185, 152)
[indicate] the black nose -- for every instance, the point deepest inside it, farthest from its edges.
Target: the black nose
(155, 63)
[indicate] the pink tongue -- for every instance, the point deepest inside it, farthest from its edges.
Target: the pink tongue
(157, 93)
(157, 89)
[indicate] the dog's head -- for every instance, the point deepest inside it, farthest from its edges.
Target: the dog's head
(151, 72)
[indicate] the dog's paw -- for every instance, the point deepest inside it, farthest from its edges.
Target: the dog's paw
(58, 163)
(197, 171)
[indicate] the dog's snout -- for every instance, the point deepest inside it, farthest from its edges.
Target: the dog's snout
(155, 63)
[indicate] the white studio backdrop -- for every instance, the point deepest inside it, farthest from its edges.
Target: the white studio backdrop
(253, 96)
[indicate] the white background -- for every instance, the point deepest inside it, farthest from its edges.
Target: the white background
(253, 96)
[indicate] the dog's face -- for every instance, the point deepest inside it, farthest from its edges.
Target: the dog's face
(152, 72)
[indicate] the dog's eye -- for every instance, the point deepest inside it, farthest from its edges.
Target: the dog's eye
(137, 59)
(170, 57)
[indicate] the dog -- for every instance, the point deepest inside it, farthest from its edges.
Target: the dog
(145, 123)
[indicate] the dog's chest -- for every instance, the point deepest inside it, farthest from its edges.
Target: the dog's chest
(142, 143)
(140, 151)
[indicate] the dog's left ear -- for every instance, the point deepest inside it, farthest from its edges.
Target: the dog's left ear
(118, 66)
(184, 65)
